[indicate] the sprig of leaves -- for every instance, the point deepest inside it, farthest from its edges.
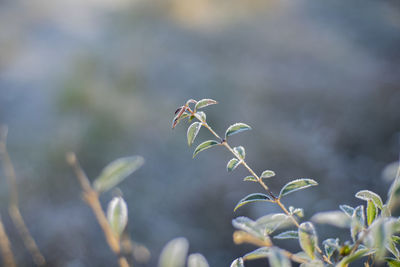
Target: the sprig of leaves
(371, 229)
(240, 153)
(116, 220)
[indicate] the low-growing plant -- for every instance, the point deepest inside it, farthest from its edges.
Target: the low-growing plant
(372, 228)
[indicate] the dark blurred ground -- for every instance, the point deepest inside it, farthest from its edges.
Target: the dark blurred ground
(319, 82)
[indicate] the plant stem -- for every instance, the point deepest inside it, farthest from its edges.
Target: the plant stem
(359, 240)
(6, 252)
(259, 180)
(280, 204)
(91, 197)
(13, 208)
(243, 162)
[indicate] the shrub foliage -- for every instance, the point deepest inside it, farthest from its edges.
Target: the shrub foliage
(372, 228)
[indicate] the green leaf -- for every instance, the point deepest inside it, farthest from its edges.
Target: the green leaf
(116, 172)
(393, 262)
(377, 234)
(330, 245)
(239, 150)
(249, 226)
(345, 249)
(371, 212)
(204, 103)
(192, 132)
(381, 232)
(288, 235)
(197, 260)
(308, 239)
(296, 185)
(117, 215)
(250, 178)
(201, 115)
(335, 218)
(267, 174)
(347, 210)
(274, 221)
(232, 164)
(174, 253)
(391, 246)
(393, 225)
(278, 259)
(296, 211)
(256, 197)
(260, 253)
(369, 195)
(353, 257)
(396, 239)
(357, 221)
(236, 128)
(238, 263)
(203, 146)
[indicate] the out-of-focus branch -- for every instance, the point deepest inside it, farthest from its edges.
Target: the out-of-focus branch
(92, 199)
(6, 252)
(240, 237)
(13, 207)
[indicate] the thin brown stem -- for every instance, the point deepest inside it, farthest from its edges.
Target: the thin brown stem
(5, 247)
(359, 240)
(91, 197)
(259, 179)
(366, 264)
(278, 201)
(13, 207)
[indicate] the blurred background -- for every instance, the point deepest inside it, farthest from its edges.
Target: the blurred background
(319, 82)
